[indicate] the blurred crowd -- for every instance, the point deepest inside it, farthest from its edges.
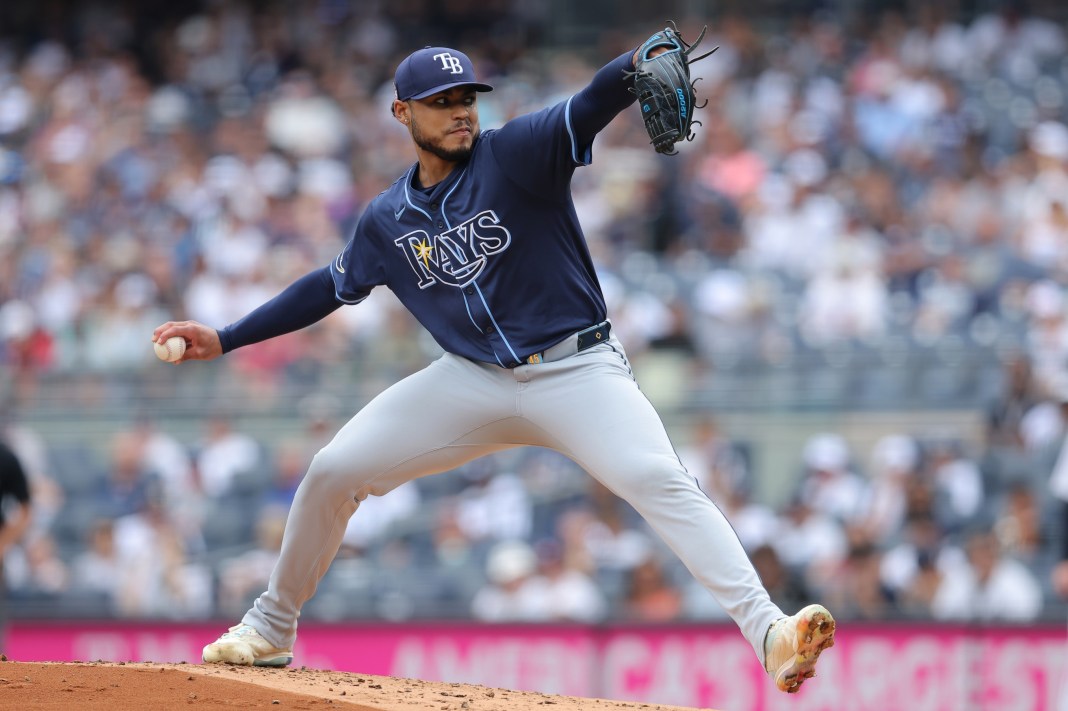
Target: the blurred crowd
(885, 187)
(916, 526)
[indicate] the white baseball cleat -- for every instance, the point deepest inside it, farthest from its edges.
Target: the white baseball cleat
(793, 645)
(244, 646)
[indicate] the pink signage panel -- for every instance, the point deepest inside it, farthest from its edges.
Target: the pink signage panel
(871, 668)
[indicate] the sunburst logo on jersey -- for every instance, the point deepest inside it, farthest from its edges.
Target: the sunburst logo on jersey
(423, 251)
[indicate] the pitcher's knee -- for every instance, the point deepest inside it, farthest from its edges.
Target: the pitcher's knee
(329, 471)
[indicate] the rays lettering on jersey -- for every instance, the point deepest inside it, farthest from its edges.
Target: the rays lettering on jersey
(458, 256)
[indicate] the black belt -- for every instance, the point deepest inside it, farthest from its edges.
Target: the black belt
(575, 343)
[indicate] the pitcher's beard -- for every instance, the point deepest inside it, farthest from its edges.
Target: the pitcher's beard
(454, 155)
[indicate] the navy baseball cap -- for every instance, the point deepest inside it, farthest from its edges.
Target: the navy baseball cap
(433, 69)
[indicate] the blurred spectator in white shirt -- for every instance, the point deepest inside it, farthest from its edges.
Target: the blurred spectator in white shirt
(377, 514)
(843, 302)
(164, 457)
(1044, 239)
(156, 578)
(1047, 331)
(894, 463)
(96, 569)
(947, 299)
(958, 480)
(224, 454)
(829, 484)
(786, 206)
(993, 587)
(512, 593)
(570, 594)
(495, 505)
(611, 543)
(809, 541)
(923, 547)
(1043, 194)
(116, 325)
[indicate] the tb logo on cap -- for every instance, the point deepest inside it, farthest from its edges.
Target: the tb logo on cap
(449, 63)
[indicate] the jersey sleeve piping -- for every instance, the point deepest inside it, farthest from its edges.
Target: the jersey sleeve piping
(444, 216)
(525, 189)
(408, 199)
(338, 267)
(346, 301)
(587, 155)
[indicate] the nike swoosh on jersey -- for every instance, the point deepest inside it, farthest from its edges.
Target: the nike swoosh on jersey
(337, 263)
(399, 212)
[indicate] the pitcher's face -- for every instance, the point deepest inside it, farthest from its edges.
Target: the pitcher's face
(444, 124)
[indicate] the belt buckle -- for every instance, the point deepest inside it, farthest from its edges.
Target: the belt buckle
(592, 336)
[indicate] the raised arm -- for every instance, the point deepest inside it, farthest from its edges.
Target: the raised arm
(305, 301)
(657, 73)
(606, 96)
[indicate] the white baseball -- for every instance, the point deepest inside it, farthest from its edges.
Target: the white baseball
(170, 350)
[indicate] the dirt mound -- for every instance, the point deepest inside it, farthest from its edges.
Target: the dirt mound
(111, 686)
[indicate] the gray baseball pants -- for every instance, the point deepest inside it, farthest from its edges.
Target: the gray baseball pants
(586, 406)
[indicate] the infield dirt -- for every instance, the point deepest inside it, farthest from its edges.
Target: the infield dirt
(118, 686)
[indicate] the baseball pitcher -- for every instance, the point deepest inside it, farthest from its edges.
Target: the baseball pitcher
(480, 241)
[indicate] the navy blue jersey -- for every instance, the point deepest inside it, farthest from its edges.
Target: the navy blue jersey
(492, 261)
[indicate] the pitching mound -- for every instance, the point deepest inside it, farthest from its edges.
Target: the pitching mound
(110, 686)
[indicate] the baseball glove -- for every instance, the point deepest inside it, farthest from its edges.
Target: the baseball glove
(665, 92)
